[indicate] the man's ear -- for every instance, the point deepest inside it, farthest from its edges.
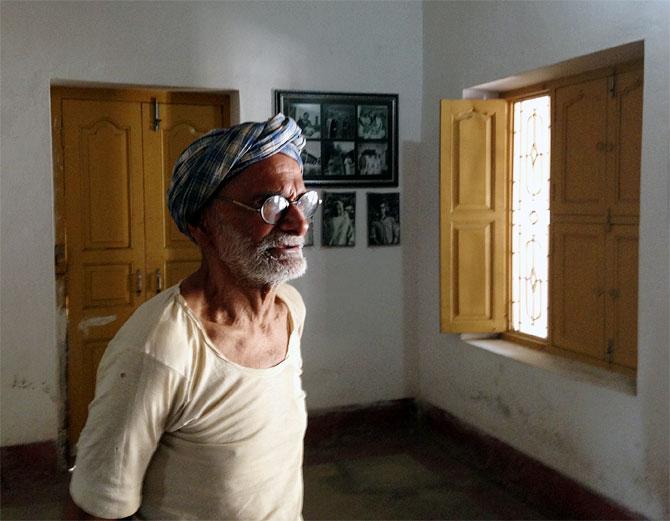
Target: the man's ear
(200, 232)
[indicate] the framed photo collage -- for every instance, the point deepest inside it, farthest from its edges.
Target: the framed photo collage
(352, 142)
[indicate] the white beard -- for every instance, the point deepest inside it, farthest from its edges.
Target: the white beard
(254, 263)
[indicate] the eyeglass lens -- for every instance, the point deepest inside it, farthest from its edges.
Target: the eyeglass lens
(275, 206)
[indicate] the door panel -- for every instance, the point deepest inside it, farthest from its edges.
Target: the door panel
(166, 246)
(102, 151)
(105, 158)
(106, 285)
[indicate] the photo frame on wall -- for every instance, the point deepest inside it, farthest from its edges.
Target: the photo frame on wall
(352, 139)
(338, 223)
(383, 219)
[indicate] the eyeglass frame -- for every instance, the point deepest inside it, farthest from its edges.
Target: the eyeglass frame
(259, 210)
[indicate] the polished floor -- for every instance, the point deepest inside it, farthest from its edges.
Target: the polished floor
(369, 473)
(406, 473)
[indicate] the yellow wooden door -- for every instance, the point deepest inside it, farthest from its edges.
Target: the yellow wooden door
(622, 275)
(473, 217)
(170, 255)
(102, 151)
(580, 149)
(579, 288)
(122, 246)
(625, 144)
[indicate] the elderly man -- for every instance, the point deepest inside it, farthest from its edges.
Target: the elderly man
(199, 411)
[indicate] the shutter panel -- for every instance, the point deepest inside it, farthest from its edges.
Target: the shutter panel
(622, 286)
(579, 153)
(578, 288)
(473, 216)
(625, 144)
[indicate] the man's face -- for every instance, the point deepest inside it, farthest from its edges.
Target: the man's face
(253, 250)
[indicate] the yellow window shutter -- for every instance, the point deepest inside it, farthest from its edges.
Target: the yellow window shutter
(473, 216)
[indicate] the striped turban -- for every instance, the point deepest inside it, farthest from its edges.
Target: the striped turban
(222, 153)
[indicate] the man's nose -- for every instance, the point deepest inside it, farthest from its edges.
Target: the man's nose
(294, 221)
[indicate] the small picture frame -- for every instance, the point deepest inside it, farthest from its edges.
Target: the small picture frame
(372, 122)
(383, 219)
(338, 224)
(340, 122)
(352, 139)
(308, 118)
(311, 159)
(339, 159)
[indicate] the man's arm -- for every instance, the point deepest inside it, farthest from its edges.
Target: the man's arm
(73, 512)
(135, 394)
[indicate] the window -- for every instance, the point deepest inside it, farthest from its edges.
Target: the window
(530, 216)
(539, 216)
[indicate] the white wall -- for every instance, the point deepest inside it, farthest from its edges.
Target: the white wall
(354, 345)
(612, 442)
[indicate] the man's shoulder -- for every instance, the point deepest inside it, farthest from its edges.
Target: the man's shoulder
(290, 293)
(293, 299)
(160, 329)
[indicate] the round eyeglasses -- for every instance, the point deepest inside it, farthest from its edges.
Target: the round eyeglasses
(275, 207)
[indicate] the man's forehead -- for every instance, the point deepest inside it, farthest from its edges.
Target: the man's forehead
(270, 175)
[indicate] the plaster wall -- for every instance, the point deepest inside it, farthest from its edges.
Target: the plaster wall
(614, 443)
(354, 347)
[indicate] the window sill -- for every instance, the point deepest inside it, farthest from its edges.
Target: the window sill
(571, 369)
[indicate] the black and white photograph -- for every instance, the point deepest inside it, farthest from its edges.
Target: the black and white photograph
(383, 219)
(339, 219)
(340, 121)
(308, 118)
(339, 158)
(352, 138)
(311, 159)
(372, 121)
(372, 159)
